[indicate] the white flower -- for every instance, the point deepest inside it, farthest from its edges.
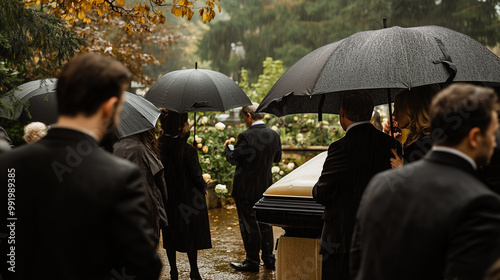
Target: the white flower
(310, 121)
(295, 118)
(300, 137)
(220, 126)
(325, 123)
(275, 169)
(291, 165)
(198, 139)
(282, 173)
(220, 188)
(204, 120)
(275, 128)
(206, 177)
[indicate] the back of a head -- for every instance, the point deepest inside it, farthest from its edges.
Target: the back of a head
(87, 81)
(251, 110)
(416, 103)
(172, 123)
(358, 105)
(34, 132)
(459, 108)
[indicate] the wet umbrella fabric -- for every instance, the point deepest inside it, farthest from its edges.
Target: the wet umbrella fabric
(34, 92)
(196, 90)
(137, 114)
(393, 58)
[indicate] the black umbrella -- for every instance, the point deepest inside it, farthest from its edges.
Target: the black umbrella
(38, 95)
(393, 58)
(196, 90)
(137, 114)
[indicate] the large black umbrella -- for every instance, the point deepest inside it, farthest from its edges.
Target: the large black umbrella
(38, 96)
(137, 114)
(196, 90)
(391, 59)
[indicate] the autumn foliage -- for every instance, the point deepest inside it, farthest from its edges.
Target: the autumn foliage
(136, 15)
(124, 29)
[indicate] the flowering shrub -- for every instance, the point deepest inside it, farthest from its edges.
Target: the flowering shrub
(221, 191)
(305, 130)
(281, 169)
(210, 138)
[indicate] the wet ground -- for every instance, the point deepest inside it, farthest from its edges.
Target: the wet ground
(227, 247)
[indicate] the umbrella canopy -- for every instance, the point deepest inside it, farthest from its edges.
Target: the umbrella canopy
(392, 58)
(196, 90)
(34, 92)
(137, 114)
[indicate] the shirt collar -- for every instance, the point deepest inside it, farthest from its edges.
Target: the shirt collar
(457, 153)
(355, 124)
(257, 122)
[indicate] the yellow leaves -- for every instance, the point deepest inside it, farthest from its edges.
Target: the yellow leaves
(189, 14)
(177, 11)
(128, 28)
(120, 2)
(81, 14)
(205, 16)
(100, 10)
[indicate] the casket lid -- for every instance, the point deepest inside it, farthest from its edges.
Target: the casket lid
(299, 182)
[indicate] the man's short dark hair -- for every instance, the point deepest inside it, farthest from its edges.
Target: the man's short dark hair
(358, 105)
(459, 108)
(87, 81)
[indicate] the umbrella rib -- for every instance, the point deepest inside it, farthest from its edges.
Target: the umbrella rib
(220, 97)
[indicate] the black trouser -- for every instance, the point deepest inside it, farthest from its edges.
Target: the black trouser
(255, 235)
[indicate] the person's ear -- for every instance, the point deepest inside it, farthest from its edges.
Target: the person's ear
(109, 107)
(474, 137)
(341, 112)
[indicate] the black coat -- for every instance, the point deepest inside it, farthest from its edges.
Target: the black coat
(153, 180)
(417, 149)
(81, 212)
(254, 153)
(432, 219)
(351, 162)
(188, 226)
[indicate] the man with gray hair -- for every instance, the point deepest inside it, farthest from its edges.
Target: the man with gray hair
(351, 162)
(254, 153)
(433, 219)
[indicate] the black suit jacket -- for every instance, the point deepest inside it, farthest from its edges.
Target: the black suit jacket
(432, 219)
(81, 212)
(351, 163)
(254, 153)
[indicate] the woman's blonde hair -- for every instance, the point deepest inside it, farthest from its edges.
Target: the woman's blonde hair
(415, 103)
(34, 131)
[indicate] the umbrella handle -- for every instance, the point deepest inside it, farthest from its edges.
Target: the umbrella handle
(195, 144)
(390, 112)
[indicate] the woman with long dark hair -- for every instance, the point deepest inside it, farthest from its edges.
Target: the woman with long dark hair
(142, 149)
(188, 230)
